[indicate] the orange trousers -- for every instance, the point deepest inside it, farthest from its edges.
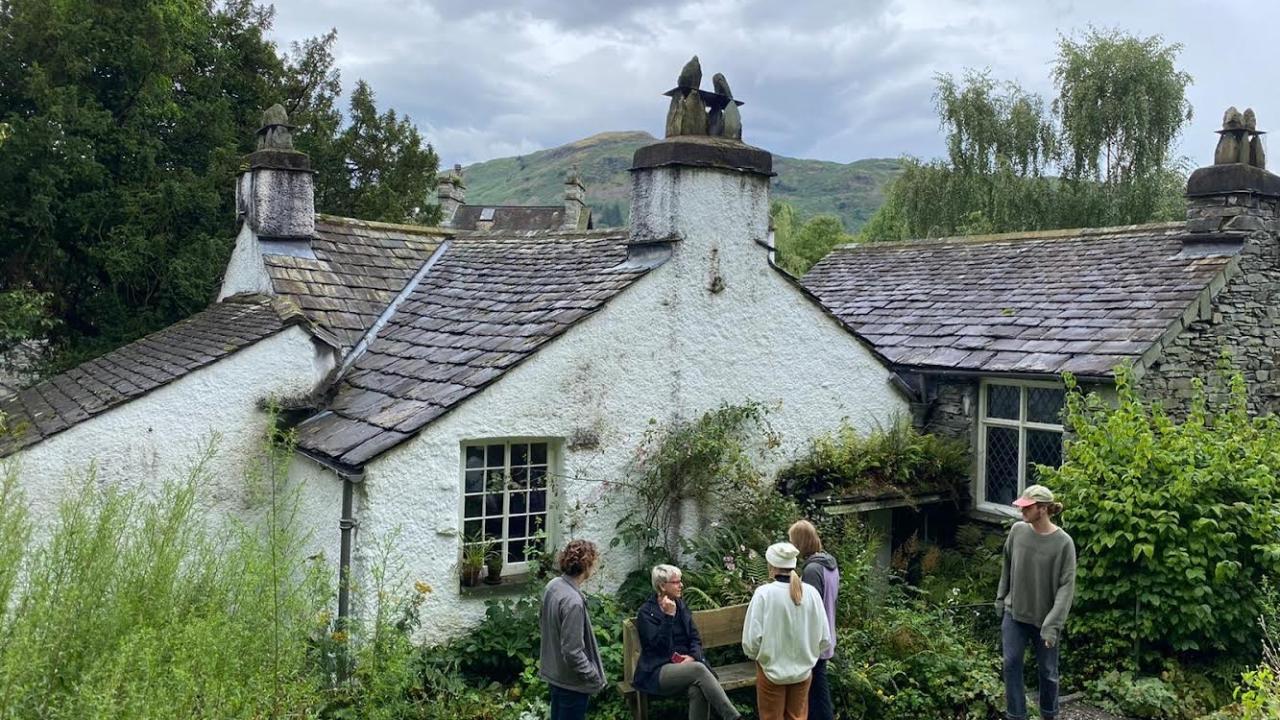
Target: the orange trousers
(781, 702)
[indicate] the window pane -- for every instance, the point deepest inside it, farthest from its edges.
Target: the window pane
(471, 529)
(1044, 405)
(520, 477)
(1044, 447)
(1003, 401)
(493, 504)
(516, 526)
(520, 454)
(495, 456)
(473, 505)
(1002, 465)
(537, 523)
(475, 481)
(539, 452)
(496, 481)
(515, 551)
(518, 502)
(493, 527)
(475, 456)
(537, 477)
(538, 501)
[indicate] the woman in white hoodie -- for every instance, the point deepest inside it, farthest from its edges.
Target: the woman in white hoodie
(785, 632)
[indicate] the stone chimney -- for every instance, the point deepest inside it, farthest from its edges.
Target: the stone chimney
(575, 206)
(451, 194)
(703, 196)
(275, 203)
(1235, 195)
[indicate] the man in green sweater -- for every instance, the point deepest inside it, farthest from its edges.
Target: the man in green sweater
(1037, 584)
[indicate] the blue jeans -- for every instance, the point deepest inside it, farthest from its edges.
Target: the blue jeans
(568, 704)
(1015, 636)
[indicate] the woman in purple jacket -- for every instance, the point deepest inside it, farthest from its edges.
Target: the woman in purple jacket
(821, 572)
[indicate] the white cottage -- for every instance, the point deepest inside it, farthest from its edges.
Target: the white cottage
(434, 356)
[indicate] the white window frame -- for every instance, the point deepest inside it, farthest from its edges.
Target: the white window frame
(1022, 425)
(550, 528)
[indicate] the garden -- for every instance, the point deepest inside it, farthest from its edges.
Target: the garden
(133, 606)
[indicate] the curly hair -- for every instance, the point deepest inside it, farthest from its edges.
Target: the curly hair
(578, 557)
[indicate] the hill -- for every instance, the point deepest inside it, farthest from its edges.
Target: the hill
(850, 191)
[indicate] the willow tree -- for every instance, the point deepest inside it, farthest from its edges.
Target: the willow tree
(1098, 155)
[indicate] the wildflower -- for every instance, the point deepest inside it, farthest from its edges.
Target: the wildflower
(729, 563)
(422, 588)
(339, 636)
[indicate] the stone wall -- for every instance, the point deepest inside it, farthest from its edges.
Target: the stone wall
(954, 413)
(1238, 315)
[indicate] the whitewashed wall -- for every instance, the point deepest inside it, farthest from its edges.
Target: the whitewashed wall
(158, 436)
(666, 347)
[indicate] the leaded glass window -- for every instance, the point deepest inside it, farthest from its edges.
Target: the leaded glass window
(1021, 427)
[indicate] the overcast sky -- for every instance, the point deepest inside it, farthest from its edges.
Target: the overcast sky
(840, 80)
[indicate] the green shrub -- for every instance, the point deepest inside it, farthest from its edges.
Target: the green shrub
(132, 607)
(1138, 697)
(1175, 523)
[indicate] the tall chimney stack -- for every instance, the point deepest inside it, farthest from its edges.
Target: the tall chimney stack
(451, 194)
(275, 203)
(1235, 195)
(575, 206)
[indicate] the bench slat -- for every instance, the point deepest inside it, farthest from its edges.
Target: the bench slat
(722, 626)
(737, 675)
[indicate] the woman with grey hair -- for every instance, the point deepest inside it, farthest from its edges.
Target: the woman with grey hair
(671, 657)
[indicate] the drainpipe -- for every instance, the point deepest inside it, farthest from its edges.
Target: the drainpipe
(346, 523)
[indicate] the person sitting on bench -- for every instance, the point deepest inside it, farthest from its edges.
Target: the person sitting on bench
(671, 657)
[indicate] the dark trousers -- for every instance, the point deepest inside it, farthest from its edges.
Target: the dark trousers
(820, 707)
(1015, 636)
(568, 704)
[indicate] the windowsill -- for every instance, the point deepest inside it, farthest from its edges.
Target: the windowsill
(510, 585)
(995, 514)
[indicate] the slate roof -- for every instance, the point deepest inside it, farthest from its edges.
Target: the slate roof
(94, 387)
(1043, 303)
(490, 301)
(358, 269)
(516, 218)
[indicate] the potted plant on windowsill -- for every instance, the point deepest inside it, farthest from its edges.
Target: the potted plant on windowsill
(472, 561)
(493, 561)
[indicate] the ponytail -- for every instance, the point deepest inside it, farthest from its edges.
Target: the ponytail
(1055, 508)
(797, 588)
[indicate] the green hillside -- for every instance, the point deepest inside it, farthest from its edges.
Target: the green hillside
(852, 191)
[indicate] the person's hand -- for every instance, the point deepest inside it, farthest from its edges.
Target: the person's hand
(681, 658)
(1049, 643)
(667, 604)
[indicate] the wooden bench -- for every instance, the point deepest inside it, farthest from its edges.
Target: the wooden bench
(718, 628)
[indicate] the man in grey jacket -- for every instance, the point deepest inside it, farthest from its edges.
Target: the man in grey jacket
(569, 658)
(1037, 585)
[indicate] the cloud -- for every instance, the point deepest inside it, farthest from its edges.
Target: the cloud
(825, 79)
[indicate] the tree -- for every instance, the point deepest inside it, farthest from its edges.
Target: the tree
(1099, 157)
(389, 173)
(801, 244)
(123, 127)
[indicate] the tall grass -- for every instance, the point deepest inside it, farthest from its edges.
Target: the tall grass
(136, 607)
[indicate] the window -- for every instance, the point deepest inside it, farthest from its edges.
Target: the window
(504, 498)
(1020, 426)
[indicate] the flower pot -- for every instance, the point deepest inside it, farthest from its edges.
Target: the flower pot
(494, 577)
(470, 576)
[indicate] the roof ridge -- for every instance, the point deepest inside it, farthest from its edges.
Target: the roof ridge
(552, 233)
(1055, 234)
(380, 225)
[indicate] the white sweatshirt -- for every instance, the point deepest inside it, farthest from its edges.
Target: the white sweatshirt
(785, 638)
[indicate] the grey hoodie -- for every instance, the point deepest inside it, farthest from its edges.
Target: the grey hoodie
(568, 653)
(821, 572)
